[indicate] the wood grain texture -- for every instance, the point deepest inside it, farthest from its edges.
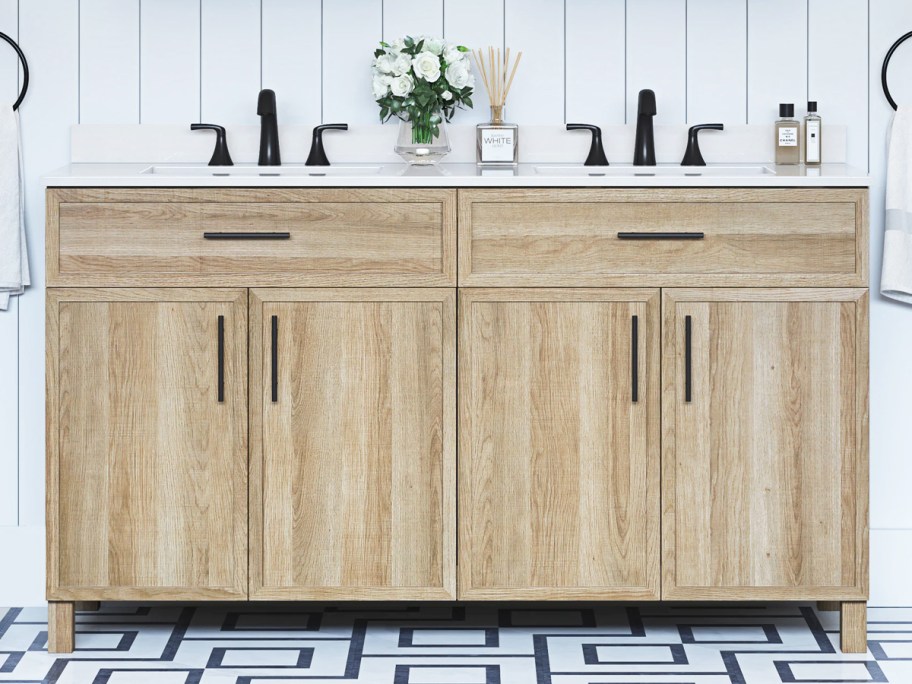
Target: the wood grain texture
(132, 237)
(61, 627)
(568, 237)
(352, 475)
(764, 471)
(147, 471)
(558, 468)
(853, 626)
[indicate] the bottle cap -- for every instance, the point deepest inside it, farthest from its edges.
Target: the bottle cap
(786, 111)
(812, 106)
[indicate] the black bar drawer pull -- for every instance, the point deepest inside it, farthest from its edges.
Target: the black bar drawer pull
(688, 364)
(221, 359)
(635, 359)
(275, 359)
(247, 236)
(661, 236)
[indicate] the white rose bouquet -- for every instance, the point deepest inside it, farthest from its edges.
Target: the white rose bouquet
(422, 80)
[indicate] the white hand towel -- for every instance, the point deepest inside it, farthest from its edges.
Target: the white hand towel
(896, 279)
(14, 271)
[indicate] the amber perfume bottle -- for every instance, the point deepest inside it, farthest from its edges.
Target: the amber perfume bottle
(498, 141)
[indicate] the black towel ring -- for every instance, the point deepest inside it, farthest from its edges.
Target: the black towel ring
(25, 69)
(883, 72)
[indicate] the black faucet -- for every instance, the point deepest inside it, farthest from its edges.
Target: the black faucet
(644, 153)
(596, 151)
(269, 129)
(693, 156)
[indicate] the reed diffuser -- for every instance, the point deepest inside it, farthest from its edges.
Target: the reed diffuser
(498, 141)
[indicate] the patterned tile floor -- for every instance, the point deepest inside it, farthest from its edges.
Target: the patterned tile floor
(456, 644)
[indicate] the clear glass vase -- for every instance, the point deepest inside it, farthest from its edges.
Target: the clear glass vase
(417, 144)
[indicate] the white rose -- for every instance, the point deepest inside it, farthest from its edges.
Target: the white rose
(402, 85)
(434, 45)
(457, 75)
(446, 95)
(398, 45)
(452, 54)
(380, 86)
(427, 66)
(385, 63)
(402, 64)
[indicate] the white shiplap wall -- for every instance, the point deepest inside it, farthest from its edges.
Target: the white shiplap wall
(177, 61)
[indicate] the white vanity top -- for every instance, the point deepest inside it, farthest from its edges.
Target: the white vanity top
(454, 175)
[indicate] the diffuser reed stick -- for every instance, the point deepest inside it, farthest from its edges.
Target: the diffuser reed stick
(494, 68)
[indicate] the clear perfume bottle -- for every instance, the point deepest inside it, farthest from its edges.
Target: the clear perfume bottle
(497, 141)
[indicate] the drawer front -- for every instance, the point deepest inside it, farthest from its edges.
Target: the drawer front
(247, 237)
(663, 237)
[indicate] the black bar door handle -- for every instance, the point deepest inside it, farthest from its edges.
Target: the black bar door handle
(635, 359)
(247, 236)
(660, 236)
(688, 361)
(275, 359)
(221, 359)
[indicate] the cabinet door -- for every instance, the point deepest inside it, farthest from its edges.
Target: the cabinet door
(147, 444)
(353, 444)
(559, 444)
(765, 472)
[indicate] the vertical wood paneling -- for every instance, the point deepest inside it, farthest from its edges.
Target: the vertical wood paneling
(9, 320)
(230, 61)
(347, 49)
(536, 28)
(412, 17)
(596, 56)
(49, 30)
(837, 69)
(109, 61)
(292, 58)
(170, 62)
(777, 57)
(656, 55)
(717, 61)
(476, 24)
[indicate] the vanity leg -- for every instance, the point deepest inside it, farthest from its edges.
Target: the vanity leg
(61, 627)
(92, 606)
(828, 606)
(853, 626)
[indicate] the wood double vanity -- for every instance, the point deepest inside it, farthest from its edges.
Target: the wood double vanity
(457, 394)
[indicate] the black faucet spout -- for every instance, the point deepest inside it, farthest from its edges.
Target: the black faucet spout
(644, 150)
(269, 129)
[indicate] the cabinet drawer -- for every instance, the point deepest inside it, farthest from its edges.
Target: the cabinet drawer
(247, 237)
(716, 236)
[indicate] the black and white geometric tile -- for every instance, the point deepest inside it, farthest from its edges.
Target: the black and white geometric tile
(455, 644)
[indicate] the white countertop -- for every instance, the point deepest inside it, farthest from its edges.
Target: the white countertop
(455, 175)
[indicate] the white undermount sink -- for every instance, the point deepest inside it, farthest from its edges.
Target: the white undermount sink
(261, 171)
(653, 171)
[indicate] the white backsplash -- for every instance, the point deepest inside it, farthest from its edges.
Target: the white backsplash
(157, 144)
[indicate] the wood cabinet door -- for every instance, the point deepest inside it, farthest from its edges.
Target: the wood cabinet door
(765, 467)
(147, 444)
(559, 444)
(353, 456)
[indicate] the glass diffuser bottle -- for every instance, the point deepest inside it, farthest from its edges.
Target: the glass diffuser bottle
(497, 142)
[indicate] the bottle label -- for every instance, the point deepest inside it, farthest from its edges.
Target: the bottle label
(812, 133)
(496, 145)
(788, 136)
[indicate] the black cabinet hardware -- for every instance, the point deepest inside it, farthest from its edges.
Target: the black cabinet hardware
(221, 359)
(661, 236)
(275, 359)
(688, 362)
(247, 236)
(220, 156)
(693, 156)
(635, 358)
(596, 150)
(317, 156)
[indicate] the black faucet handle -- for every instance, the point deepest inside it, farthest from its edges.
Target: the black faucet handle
(220, 156)
(317, 156)
(596, 150)
(693, 156)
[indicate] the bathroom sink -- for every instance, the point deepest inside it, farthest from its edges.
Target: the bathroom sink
(653, 171)
(261, 171)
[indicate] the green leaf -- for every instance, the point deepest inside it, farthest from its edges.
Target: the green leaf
(419, 47)
(462, 48)
(409, 42)
(467, 101)
(384, 44)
